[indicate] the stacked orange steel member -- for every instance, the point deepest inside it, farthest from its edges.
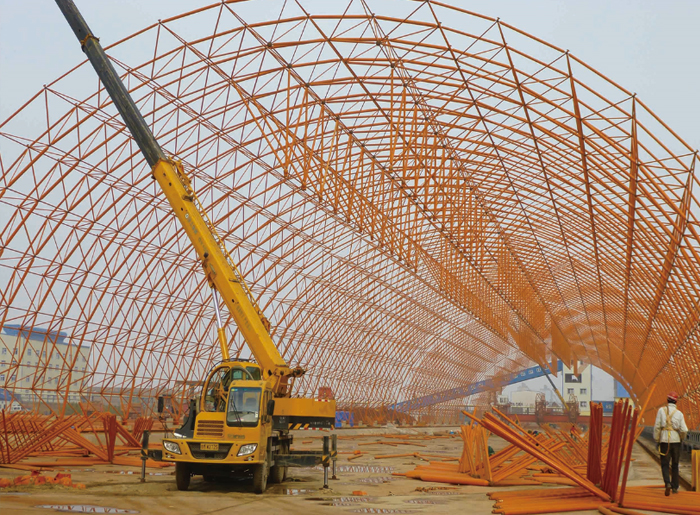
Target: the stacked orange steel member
(595, 465)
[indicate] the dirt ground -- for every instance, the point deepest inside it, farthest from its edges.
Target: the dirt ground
(111, 489)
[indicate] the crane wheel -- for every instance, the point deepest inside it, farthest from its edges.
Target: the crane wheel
(260, 474)
(285, 450)
(182, 476)
(278, 473)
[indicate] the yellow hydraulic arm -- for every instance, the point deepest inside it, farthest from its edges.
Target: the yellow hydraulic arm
(221, 273)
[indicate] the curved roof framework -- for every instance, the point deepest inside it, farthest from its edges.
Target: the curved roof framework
(420, 197)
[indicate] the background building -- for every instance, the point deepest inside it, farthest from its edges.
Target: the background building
(523, 397)
(579, 385)
(590, 385)
(42, 367)
(7, 403)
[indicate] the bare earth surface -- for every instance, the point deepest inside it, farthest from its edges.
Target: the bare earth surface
(119, 488)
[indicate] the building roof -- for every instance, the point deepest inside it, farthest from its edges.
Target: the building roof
(35, 333)
(38, 334)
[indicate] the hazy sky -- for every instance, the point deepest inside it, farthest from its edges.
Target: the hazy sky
(649, 47)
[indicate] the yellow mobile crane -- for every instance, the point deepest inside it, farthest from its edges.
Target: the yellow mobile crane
(242, 420)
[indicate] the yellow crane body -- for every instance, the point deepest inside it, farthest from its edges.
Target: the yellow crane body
(221, 274)
(237, 426)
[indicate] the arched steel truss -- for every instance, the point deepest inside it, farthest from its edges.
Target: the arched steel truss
(419, 196)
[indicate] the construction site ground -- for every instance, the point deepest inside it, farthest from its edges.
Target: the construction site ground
(365, 484)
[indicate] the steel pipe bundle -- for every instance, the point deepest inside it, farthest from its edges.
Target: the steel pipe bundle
(526, 502)
(532, 446)
(507, 467)
(623, 434)
(529, 502)
(27, 435)
(653, 499)
(595, 444)
(619, 434)
(611, 474)
(475, 454)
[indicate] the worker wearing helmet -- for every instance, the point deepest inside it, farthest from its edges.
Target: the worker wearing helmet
(669, 431)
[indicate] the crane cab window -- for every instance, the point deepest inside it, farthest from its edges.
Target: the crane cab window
(237, 374)
(243, 407)
(255, 372)
(215, 398)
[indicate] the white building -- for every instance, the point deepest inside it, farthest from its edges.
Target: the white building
(594, 385)
(523, 397)
(37, 365)
(7, 403)
(579, 385)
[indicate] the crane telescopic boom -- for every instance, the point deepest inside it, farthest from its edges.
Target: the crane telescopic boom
(220, 271)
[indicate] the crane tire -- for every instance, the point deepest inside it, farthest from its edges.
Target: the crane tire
(182, 476)
(260, 474)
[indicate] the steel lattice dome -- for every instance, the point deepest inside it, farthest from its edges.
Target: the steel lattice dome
(419, 197)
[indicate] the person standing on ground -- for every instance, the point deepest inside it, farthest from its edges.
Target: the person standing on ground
(669, 431)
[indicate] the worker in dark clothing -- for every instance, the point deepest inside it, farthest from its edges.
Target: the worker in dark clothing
(669, 431)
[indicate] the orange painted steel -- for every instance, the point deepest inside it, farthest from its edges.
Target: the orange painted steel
(503, 468)
(475, 459)
(527, 502)
(595, 444)
(532, 501)
(530, 445)
(87, 438)
(623, 434)
(420, 197)
(682, 503)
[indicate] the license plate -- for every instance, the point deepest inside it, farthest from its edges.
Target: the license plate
(209, 446)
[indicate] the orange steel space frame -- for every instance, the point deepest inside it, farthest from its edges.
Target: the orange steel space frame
(418, 196)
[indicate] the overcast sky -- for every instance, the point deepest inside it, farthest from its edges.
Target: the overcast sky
(649, 47)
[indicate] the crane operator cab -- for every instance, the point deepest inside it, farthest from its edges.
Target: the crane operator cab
(220, 381)
(232, 429)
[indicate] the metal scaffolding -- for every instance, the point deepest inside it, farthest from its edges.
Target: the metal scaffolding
(420, 197)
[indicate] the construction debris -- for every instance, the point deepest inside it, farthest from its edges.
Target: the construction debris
(35, 478)
(595, 465)
(76, 440)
